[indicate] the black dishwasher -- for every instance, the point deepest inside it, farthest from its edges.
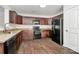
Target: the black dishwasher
(9, 46)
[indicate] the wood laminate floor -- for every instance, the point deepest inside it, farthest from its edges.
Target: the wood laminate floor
(43, 46)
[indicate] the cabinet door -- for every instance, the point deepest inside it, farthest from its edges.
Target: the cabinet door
(27, 34)
(43, 21)
(1, 48)
(45, 33)
(19, 19)
(12, 16)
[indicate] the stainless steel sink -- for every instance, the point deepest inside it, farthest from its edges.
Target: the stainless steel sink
(6, 32)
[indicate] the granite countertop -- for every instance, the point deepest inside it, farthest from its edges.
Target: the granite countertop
(6, 36)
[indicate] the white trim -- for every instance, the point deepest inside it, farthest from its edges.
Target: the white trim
(6, 7)
(57, 14)
(33, 15)
(40, 15)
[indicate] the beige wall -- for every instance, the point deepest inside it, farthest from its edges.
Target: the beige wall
(27, 20)
(50, 21)
(1, 15)
(1, 18)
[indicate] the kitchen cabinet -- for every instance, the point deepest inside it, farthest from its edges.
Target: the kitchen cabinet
(10, 44)
(12, 17)
(19, 19)
(18, 40)
(8, 47)
(43, 21)
(27, 34)
(1, 48)
(31, 20)
(46, 33)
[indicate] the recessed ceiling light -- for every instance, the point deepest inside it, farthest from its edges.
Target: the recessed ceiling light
(42, 6)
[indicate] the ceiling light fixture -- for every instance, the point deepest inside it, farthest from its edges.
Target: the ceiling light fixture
(42, 6)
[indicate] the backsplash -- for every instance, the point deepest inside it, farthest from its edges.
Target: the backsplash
(31, 26)
(8, 26)
(1, 26)
(14, 26)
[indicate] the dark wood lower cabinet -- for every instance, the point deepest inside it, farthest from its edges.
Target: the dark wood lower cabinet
(27, 34)
(11, 45)
(46, 34)
(18, 40)
(1, 48)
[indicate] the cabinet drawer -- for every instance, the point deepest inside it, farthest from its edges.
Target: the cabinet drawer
(1, 48)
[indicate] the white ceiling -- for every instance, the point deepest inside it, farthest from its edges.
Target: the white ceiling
(49, 10)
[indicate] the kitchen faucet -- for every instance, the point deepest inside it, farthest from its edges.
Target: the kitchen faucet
(6, 30)
(5, 27)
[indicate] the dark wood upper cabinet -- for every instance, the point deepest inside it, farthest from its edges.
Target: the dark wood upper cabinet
(14, 18)
(44, 21)
(19, 19)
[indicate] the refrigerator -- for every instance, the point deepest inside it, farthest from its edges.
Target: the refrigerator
(36, 32)
(57, 31)
(36, 29)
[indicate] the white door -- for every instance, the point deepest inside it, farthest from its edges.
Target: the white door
(71, 28)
